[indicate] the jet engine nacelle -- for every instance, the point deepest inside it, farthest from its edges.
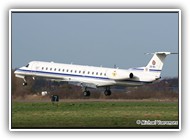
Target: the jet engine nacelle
(116, 74)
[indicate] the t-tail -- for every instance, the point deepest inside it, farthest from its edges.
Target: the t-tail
(156, 63)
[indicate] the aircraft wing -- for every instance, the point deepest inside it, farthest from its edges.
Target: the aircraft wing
(83, 84)
(89, 85)
(70, 81)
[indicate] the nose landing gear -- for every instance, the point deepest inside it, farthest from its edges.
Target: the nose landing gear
(24, 83)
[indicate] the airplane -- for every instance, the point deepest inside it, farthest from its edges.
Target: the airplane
(95, 77)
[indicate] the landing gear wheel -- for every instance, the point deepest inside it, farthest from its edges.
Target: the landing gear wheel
(107, 92)
(24, 84)
(86, 93)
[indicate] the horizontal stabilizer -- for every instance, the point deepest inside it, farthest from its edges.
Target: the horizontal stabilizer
(166, 53)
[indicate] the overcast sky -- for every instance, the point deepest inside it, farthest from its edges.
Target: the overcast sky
(95, 39)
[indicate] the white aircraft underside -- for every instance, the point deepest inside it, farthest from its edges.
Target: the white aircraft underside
(94, 77)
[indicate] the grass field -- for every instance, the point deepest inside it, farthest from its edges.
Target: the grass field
(92, 114)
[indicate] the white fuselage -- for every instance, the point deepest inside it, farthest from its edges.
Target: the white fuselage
(94, 76)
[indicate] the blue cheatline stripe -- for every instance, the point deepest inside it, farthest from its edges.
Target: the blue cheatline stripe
(75, 75)
(64, 74)
(149, 69)
(155, 70)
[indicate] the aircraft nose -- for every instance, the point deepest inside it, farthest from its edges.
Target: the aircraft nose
(16, 71)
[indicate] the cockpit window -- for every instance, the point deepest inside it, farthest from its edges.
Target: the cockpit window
(27, 65)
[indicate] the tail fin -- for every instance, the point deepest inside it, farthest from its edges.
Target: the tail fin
(156, 63)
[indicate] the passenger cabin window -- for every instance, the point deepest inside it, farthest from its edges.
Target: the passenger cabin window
(71, 71)
(97, 73)
(100, 73)
(92, 73)
(104, 74)
(63, 70)
(83, 72)
(79, 71)
(75, 71)
(88, 72)
(67, 70)
(42, 68)
(55, 69)
(59, 69)
(46, 68)
(50, 68)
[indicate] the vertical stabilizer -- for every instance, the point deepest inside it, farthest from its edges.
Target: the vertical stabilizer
(156, 63)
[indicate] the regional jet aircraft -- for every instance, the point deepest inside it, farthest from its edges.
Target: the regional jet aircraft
(95, 77)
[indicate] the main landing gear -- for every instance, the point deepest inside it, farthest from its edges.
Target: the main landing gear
(86, 92)
(107, 92)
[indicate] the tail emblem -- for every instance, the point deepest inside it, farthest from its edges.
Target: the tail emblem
(153, 62)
